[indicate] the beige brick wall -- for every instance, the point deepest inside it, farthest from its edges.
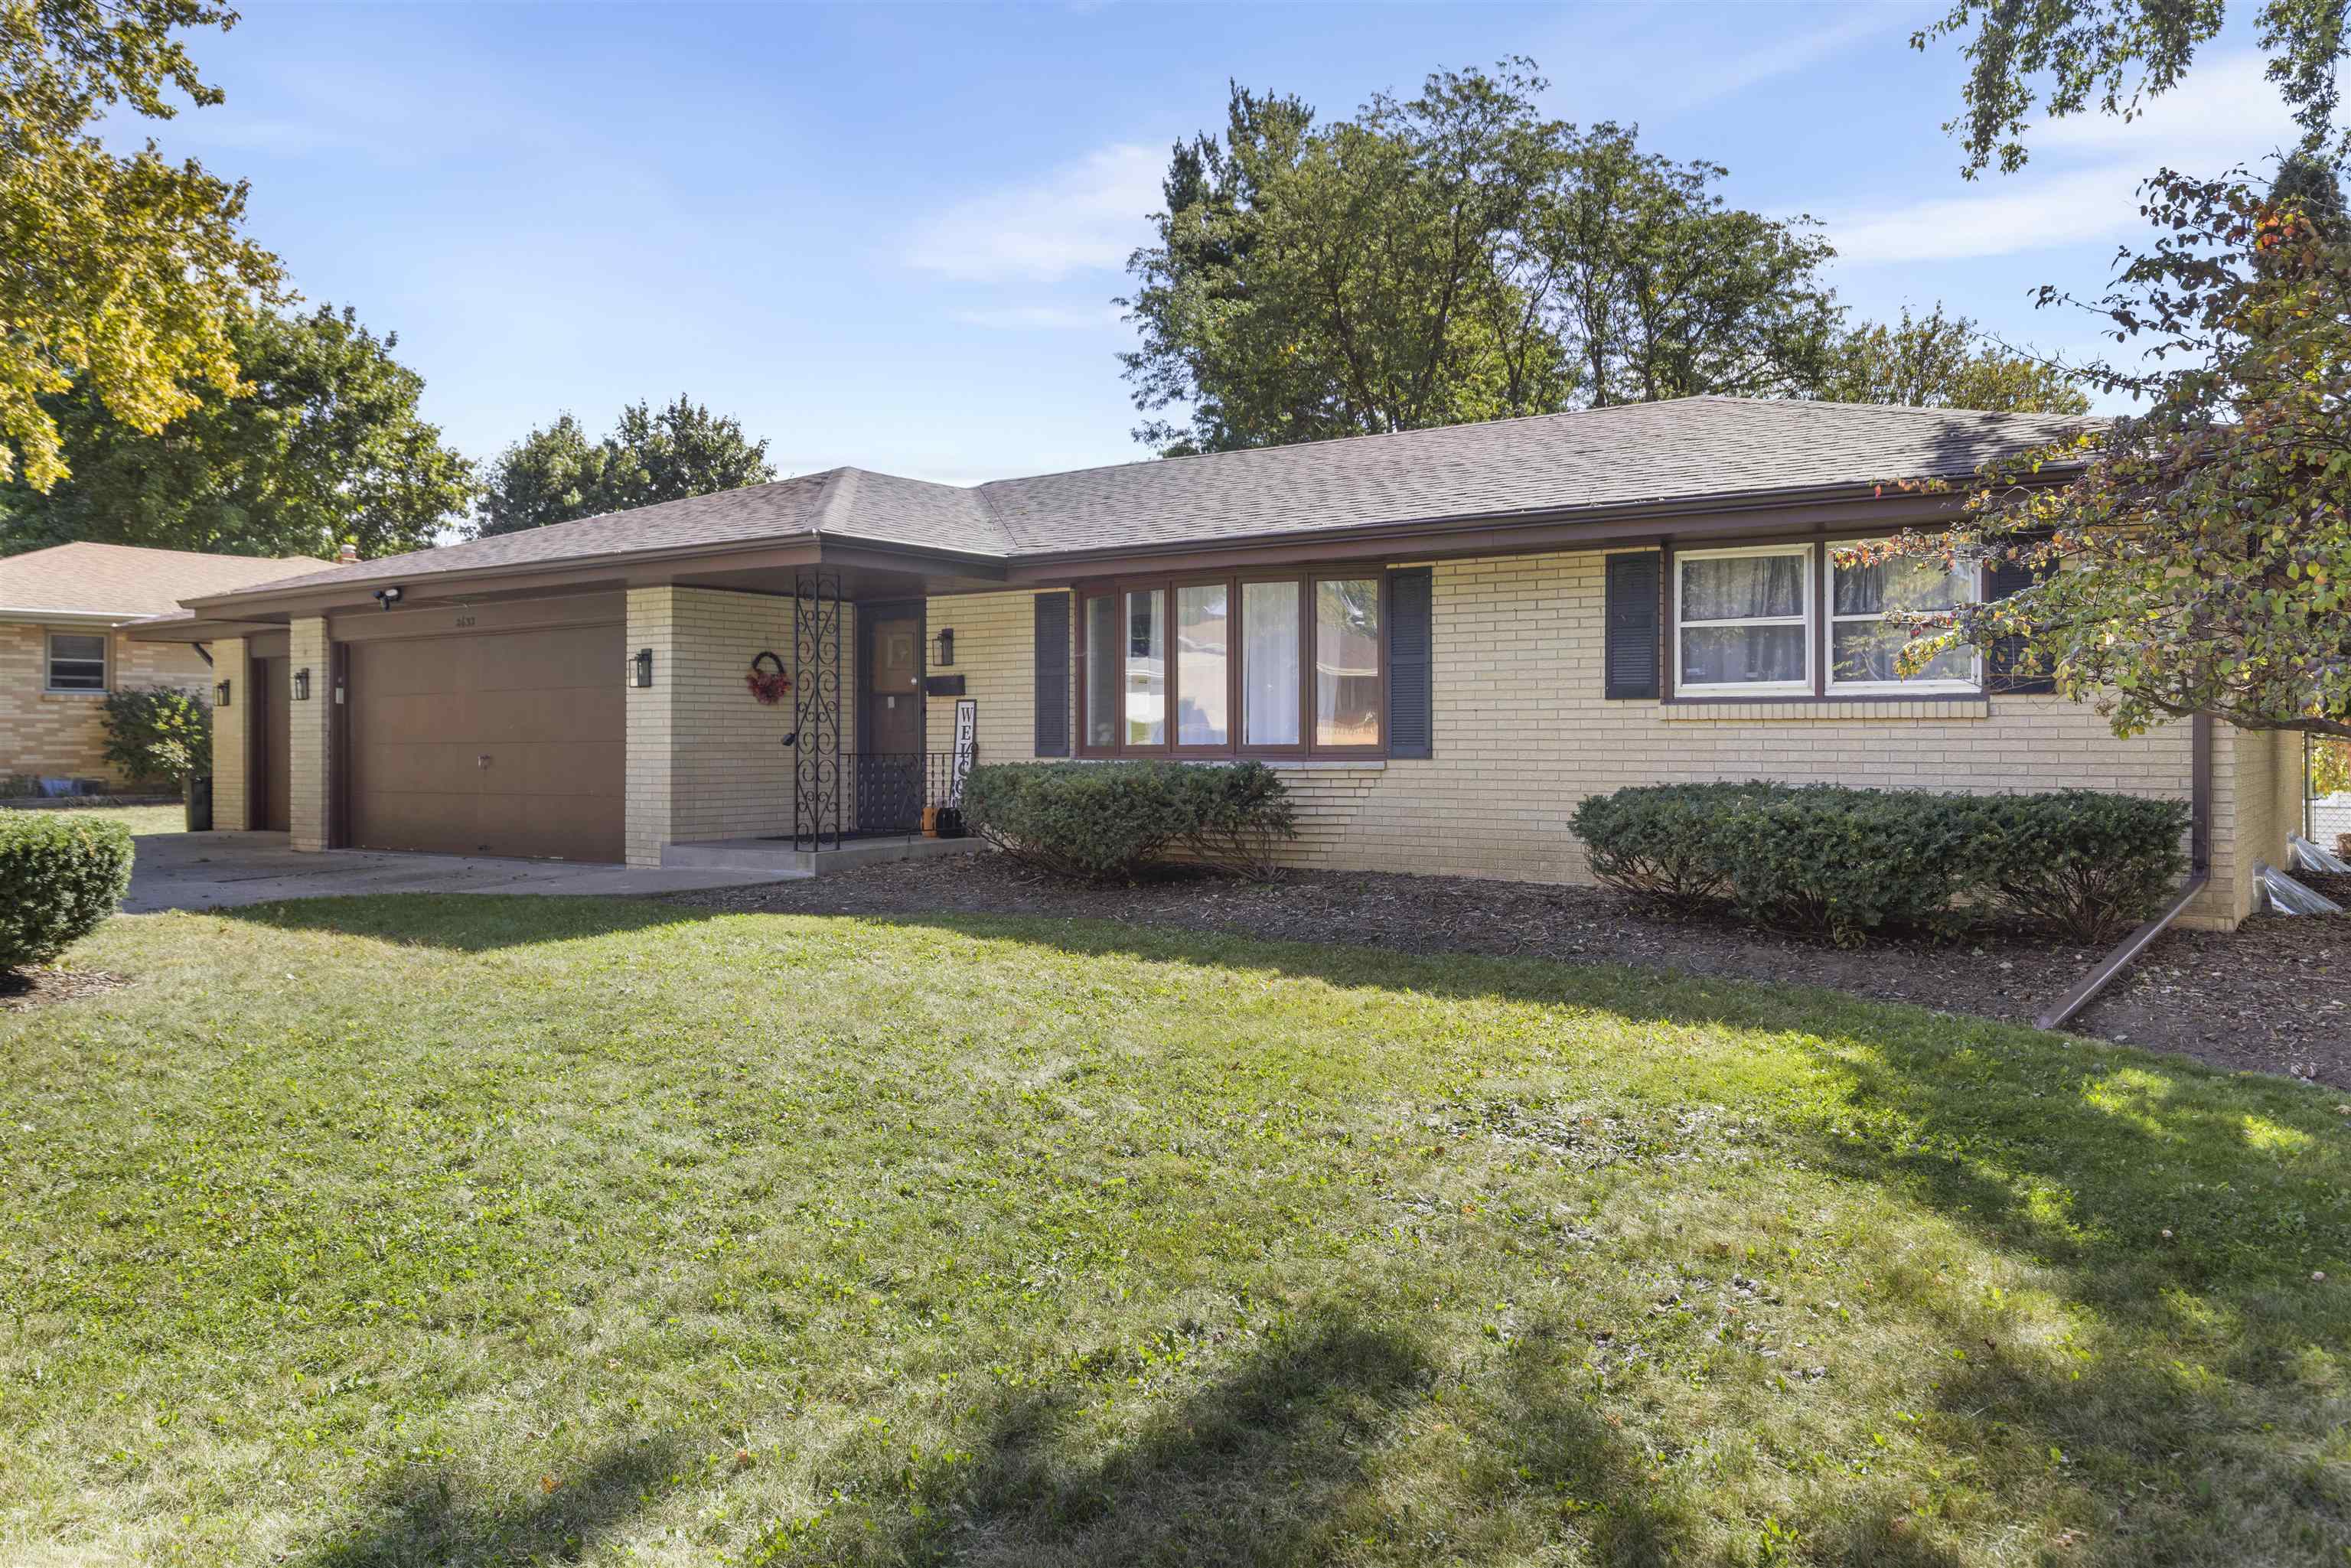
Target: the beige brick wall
(310, 786)
(995, 646)
(1522, 733)
(62, 734)
(706, 759)
(232, 661)
(2260, 776)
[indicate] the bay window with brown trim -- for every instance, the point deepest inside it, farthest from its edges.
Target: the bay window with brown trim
(1234, 667)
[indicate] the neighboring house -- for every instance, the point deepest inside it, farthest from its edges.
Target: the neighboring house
(1445, 637)
(62, 647)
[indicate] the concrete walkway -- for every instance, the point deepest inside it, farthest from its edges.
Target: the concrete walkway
(215, 871)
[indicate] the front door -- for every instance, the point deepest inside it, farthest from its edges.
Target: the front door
(890, 725)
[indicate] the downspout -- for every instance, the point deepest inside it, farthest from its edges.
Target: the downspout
(203, 652)
(2200, 876)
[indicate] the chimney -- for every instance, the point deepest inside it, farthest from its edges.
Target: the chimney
(348, 555)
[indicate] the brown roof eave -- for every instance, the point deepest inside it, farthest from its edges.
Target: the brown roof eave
(1507, 533)
(583, 571)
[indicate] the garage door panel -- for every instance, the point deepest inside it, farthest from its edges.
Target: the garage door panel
(535, 717)
(436, 822)
(589, 768)
(446, 768)
(408, 669)
(549, 827)
(546, 707)
(570, 658)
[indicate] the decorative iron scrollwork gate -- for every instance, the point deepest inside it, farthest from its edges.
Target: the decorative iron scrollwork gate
(821, 796)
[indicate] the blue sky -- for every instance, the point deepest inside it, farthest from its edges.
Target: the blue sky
(889, 236)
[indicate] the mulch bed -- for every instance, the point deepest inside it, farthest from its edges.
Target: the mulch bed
(2272, 997)
(24, 989)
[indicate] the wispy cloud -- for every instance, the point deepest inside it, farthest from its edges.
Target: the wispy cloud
(1724, 77)
(1019, 316)
(2084, 181)
(1084, 216)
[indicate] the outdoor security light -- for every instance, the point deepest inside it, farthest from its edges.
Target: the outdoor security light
(641, 667)
(387, 597)
(302, 684)
(943, 648)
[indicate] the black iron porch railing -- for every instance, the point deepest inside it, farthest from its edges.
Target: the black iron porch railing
(866, 794)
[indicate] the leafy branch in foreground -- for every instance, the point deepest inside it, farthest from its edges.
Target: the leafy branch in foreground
(123, 274)
(2194, 558)
(2116, 54)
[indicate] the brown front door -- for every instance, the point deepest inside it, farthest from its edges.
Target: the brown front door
(890, 733)
(269, 794)
(502, 744)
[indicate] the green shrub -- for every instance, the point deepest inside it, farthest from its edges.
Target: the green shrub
(1108, 821)
(1658, 841)
(2090, 864)
(59, 878)
(1843, 862)
(158, 732)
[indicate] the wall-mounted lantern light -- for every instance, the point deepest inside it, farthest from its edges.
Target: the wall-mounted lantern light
(641, 668)
(302, 684)
(943, 649)
(220, 695)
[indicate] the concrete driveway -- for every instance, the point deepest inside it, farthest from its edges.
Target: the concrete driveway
(215, 871)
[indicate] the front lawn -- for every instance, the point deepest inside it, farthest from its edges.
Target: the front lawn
(139, 820)
(474, 1231)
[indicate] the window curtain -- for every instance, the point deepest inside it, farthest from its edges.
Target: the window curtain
(1743, 588)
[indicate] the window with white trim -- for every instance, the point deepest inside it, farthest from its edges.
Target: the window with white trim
(1864, 643)
(1742, 620)
(76, 662)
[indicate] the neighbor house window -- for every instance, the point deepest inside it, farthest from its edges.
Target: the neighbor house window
(76, 661)
(1743, 620)
(1792, 620)
(1231, 666)
(1864, 645)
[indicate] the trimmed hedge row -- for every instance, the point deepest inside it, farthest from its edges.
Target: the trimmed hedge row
(59, 879)
(1102, 821)
(1843, 862)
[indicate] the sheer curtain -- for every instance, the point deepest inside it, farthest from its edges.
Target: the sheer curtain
(1270, 663)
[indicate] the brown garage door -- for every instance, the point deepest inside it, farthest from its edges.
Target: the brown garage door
(502, 744)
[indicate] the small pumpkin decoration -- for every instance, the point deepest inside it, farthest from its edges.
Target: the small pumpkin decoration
(767, 680)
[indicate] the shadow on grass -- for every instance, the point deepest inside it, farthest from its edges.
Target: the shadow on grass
(469, 922)
(1275, 1464)
(424, 1517)
(2168, 1200)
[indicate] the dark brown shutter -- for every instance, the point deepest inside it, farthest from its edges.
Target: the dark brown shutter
(1053, 674)
(1633, 648)
(2002, 578)
(1411, 664)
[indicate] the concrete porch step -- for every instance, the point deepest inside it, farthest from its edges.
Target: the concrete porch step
(778, 856)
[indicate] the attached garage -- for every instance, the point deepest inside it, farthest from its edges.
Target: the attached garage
(492, 742)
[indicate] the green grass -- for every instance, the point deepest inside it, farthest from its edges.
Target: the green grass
(474, 1231)
(138, 818)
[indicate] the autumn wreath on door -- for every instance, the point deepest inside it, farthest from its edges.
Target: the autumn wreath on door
(767, 680)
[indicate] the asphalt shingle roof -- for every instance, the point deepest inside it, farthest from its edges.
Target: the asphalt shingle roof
(128, 579)
(1690, 449)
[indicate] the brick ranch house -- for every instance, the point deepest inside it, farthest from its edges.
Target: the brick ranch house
(63, 647)
(1444, 638)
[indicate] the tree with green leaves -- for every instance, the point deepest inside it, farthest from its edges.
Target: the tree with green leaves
(124, 274)
(2061, 57)
(2194, 557)
(555, 474)
(1452, 257)
(318, 441)
(1944, 361)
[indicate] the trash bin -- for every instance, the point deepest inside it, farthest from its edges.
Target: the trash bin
(200, 802)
